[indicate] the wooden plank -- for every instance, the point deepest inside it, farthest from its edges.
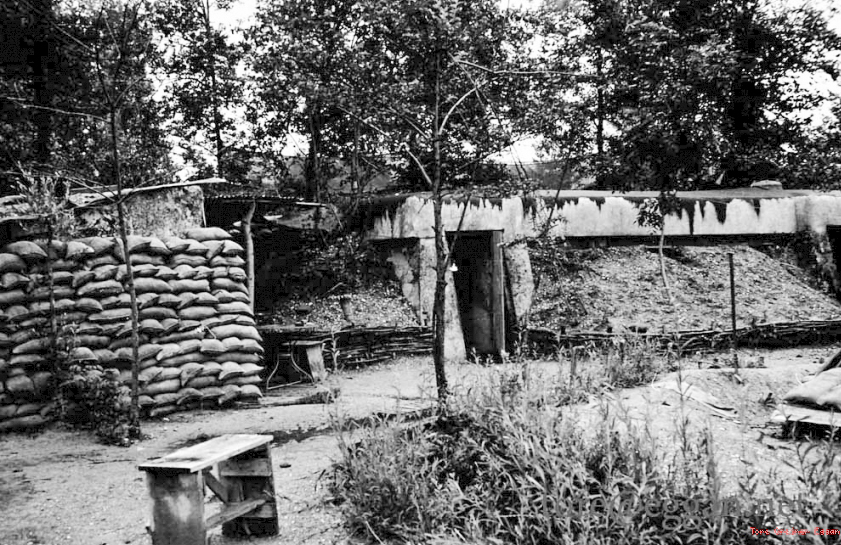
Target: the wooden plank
(792, 413)
(218, 488)
(209, 453)
(233, 511)
(177, 508)
(255, 467)
(254, 488)
(498, 292)
(316, 361)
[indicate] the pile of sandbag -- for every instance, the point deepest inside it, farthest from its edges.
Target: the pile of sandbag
(198, 343)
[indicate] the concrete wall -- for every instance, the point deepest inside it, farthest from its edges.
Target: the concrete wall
(602, 214)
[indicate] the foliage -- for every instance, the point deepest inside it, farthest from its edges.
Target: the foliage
(95, 398)
(508, 465)
(200, 62)
(71, 131)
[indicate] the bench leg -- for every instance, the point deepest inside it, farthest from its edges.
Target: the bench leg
(247, 477)
(177, 508)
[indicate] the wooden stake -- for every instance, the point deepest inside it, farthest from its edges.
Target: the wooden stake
(249, 249)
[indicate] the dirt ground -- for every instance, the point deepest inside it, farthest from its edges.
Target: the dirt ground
(61, 486)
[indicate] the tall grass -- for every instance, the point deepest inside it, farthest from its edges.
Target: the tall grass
(512, 463)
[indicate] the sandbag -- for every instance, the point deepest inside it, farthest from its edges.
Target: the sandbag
(36, 322)
(88, 304)
(239, 319)
(202, 272)
(238, 357)
(61, 278)
(249, 391)
(42, 293)
(100, 245)
(232, 248)
(237, 274)
(221, 261)
(228, 285)
(12, 297)
(157, 247)
(41, 344)
(92, 341)
(28, 360)
(190, 370)
(111, 315)
(20, 386)
(26, 249)
(8, 411)
(205, 299)
(811, 391)
(188, 260)
(77, 250)
(230, 370)
(202, 234)
(151, 327)
(126, 342)
(180, 286)
(63, 265)
(232, 344)
(64, 305)
(122, 300)
(166, 274)
(182, 336)
(176, 245)
(14, 280)
(11, 263)
(211, 392)
(188, 394)
(189, 325)
(169, 325)
(184, 272)
(212, 347)
(214, 248)
(210, 323)
(102, 260)
(243, 332)
(146, 300)
(100, 289)
(252, 346)
(210, 368)
(231, 393)
(182, 359)
(237, 307)
(244, 380)
(162, 410)
(249, 369)
(104, 272)
(157, 313)
(105, 357)
(202, 382)
(82, 354)
(186, 299)
(147, 259)
(151, 285)
(26, 409)
(161, 387)
(88, 328)
(23, 423)
(22, 335)
(196, 313)
(165, 399)
(146, 401)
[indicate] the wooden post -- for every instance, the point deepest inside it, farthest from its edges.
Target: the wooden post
(249, 249)
(498, 292)
(732, 298)
(177, 507)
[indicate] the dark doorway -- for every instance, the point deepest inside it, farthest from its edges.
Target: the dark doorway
(480, 290)
(833, 233)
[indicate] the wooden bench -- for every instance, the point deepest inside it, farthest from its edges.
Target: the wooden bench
(242, 481)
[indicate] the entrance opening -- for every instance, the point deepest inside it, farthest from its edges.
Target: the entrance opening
(480, 290)
(833, 233)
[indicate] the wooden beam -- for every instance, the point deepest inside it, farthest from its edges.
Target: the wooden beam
(498, 292)
(233, 511)
(255, 467)
(249, 250)
(218, 488)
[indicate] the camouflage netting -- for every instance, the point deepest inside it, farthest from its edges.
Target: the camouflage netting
(198, 341)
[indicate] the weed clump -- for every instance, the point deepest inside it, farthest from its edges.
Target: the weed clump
(513, 463)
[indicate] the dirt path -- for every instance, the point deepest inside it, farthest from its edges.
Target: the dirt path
(62, 487)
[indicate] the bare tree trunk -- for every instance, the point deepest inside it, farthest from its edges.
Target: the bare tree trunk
(134, 413)
(249, 249)
(439, 326)
(663, 263)
(214, 97)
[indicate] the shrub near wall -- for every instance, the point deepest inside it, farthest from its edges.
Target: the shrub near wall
(198, 341)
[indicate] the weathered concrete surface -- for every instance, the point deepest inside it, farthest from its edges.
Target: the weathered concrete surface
(454, 349)
(164, 213)
(602, 214)
(519, 277)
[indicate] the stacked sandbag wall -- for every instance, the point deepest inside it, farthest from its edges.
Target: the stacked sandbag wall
(198, 343)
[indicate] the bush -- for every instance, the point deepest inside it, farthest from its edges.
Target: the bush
(94, 398)
(506, 465)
